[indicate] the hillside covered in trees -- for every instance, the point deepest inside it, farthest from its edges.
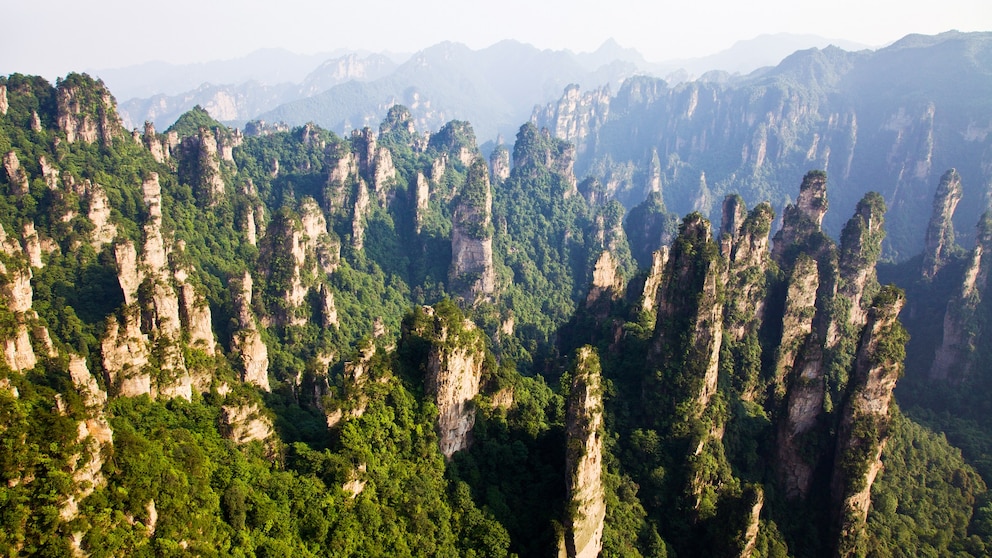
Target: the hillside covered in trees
(293, 343)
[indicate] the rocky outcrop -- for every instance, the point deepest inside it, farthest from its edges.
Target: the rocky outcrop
(360, 211)
(576, 116)
(4, 103)
(421, 200)
(94, 434)
(797, 322)
(158, 147)
(254, 214)
(499, 164)
(454, 365)
(472, 274)
(126, 351)
(438, 167)
(195, 314)
(744, 245)
(453, 379)
(99, 211)
(538, 149)
(93, 396)
(49, 172)
(151, 322)
(802, 220)
(317, 242)
(200, 164)
(128, 274)
(246, 423)
(298, 252)
(654, 280)
(17, 177)
(365, 143)
(247, 342)
(860, 247)
(383, 176)
(939, 242)
(756, 498)
(732, 219)
(583, 522)
(689, 326)
(328, 309)
(357, 372)
(801, 240)
(954, 358)
(18, 297)
(606, 279)
(86, 111)
(864, 422)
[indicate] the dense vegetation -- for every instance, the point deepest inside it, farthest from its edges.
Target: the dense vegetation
(349, 464)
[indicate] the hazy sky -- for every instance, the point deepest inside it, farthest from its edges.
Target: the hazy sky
(52, 37)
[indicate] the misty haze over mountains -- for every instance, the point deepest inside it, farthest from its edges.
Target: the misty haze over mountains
(362, 327)
(235, 91)
(891, 119)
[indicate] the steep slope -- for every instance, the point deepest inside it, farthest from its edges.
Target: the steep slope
(247, 344)
(892, 119)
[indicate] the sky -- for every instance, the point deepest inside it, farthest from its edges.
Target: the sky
(53, 37)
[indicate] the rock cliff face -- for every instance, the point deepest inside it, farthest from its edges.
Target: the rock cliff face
(86, 111)
(94, 434)
(576, 116)
(247, 342)
(864, 423)
(158, 147)
(15, 174)
(805, 383)
(801, 221)
(797, 322)
(454, 368)
(125, 352)
(583, 523)
(607, 283)
(689, 326)
(954, 358)
(246, 423)
(537, 148)
(422, 195)
(744, 245)
(472, 273)
(654, 280)
(104, 231)
(940, 231)
(860, 247)
(201, 159)
(151, 321)
(18, 297)
(499, 164)
(383, 176)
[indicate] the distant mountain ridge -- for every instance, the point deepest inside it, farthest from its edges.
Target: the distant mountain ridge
(891, 120)
(242, 89)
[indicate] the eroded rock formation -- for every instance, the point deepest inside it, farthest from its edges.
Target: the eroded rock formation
(247, 342)
(472, 273)
(939, 240)
(864, 424)
(583, 523)
(954, 358)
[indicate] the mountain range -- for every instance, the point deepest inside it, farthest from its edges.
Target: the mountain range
(398, 342)
(257, 85)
